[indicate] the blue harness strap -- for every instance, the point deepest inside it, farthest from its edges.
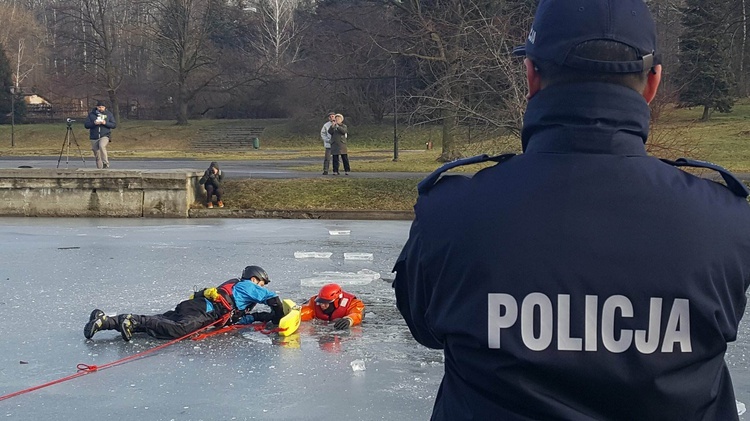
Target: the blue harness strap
(425, 185)
(733, 183)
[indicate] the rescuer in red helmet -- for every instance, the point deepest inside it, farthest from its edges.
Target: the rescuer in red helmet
(334, 305)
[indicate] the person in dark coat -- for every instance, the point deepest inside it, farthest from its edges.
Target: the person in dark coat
(211, 180)
(338, 132)
(582, 279)
(100, 123)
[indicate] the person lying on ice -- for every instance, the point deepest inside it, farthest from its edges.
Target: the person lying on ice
(336, 305)
(237, 296)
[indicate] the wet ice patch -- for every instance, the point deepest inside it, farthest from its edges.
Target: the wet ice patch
(362, 277)
(257, 337)
(167, 246)
(357, 256)
(312, 255)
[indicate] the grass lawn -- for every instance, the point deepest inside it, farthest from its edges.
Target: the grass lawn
(322, 193)
(724, 139)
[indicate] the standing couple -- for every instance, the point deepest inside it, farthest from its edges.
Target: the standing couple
(334, 137)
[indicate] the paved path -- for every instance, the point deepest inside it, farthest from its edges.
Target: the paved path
(232, 169)
(268, 169)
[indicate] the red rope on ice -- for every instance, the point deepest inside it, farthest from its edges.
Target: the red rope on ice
(84, 369)
(258, 328)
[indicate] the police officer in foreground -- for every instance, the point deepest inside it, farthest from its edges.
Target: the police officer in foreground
(582, 279)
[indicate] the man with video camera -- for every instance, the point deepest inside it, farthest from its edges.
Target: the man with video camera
(100, 123)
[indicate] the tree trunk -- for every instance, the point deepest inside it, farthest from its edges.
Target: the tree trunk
(113, 100)
(706, 113)
(449, 152)
(742, 74)
(182, 105)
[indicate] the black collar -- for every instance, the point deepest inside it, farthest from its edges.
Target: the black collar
(590, 117)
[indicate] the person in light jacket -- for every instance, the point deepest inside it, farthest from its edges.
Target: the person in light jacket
(326, 138)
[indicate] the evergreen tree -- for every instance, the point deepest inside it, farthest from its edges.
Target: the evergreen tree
(704, 74)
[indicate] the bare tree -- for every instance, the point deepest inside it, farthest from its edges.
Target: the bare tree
(741, 49)
(182, 35)
(342, 66)
(95, 28)
(23, 38)
(461, 50)
(278, 39)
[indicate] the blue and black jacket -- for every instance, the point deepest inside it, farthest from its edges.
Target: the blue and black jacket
(98, 131)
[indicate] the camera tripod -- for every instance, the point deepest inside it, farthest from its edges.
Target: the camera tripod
(69, 134)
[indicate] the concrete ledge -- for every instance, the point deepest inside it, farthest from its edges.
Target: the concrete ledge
(93, 192)
(292, 214)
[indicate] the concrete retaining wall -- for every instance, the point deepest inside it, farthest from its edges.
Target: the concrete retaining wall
(92, 192)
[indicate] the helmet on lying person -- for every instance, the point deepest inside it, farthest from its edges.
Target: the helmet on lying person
(257, 272)
(330, 294)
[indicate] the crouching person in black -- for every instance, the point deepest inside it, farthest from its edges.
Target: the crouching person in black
(237, 296)
(211, 180)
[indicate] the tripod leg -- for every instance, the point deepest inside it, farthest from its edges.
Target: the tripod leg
(66, 141)
(73, 135)
(67, 152)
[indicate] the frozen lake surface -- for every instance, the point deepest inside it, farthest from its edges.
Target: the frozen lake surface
(55, 271)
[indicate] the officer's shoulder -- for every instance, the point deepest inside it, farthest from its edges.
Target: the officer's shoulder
(431, 180)
(732, 182)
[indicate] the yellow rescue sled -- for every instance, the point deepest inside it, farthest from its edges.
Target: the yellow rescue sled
(292, 318)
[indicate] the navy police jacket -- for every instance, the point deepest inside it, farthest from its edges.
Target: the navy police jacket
(582, 279)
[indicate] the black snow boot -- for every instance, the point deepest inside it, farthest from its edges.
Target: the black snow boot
(99, 321)
(128, 326)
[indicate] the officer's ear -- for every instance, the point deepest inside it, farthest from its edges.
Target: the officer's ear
(533, 79)
(652, 83)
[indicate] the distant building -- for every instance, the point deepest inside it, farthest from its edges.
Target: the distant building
(36, 101)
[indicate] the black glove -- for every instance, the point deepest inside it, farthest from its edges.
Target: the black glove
(342, 323)
(277, 309)
(262, 316)
(235, 317)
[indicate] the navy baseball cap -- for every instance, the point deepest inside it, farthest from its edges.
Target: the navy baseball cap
(561, 25)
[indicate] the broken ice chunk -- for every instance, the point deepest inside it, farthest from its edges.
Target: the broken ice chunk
(312, 254)
(362, 277)
(358, 365)
(357, 256)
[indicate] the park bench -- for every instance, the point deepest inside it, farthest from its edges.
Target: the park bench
(229, 138)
